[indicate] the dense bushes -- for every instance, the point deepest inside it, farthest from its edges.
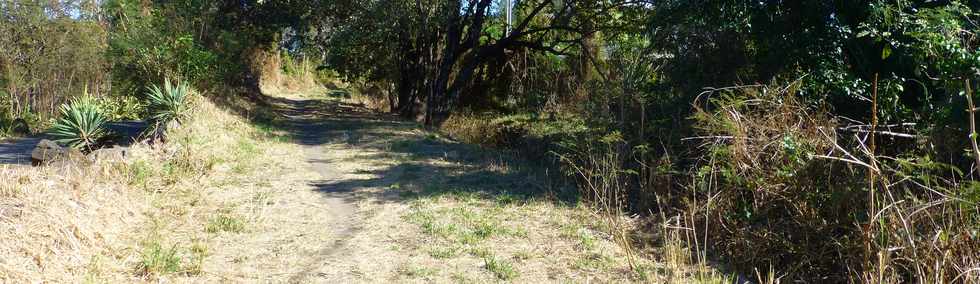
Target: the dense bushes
(116, 49)
(46, 55)
(790, 186)
(763, 181)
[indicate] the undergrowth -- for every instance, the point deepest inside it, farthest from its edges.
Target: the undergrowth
(775, 189)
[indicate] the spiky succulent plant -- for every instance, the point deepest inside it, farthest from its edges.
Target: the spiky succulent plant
(81, 125)
(168, 103)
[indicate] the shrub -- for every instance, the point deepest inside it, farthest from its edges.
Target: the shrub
(169, 103)
(121, 107)
(771, 199)
(82, 124)
(774, 181)
(500, 268)
(225, 223)
(10, 123)
(6, 120)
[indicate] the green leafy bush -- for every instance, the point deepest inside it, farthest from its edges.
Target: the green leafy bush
(10, 126)
(169, 103)
(6, 127)
(6, 117)
(121, 107)
(82, 124)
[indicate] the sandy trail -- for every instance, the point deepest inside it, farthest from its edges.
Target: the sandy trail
(306, 219)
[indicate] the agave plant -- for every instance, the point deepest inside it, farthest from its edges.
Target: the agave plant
(168, 103)
(82, 125)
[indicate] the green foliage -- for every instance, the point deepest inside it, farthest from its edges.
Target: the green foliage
(81, 125)
(7, 120)
(48, 50)
(940, 39)
(118, 108)
(290, 66)
(158, 260)
(501, 268)
(225, 223)
(10, 127)
(147, 48)
(168, 103)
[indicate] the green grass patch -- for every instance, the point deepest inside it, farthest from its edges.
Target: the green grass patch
(199, 251)
(225, 223)
(417, 271)
(595, 261)
(140, 173)
(481, 252)
(445, 252)
(502, 269)
(586, 239)
(158, 259)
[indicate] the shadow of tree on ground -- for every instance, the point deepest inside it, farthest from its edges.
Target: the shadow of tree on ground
(413, 163)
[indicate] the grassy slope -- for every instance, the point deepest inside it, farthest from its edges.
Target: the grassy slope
(127, 221)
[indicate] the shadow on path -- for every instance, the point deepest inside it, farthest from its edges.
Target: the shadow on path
(415, 163)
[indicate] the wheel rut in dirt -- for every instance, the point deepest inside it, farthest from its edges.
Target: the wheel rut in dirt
(330, 133)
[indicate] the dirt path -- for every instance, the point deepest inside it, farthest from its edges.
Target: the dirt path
(366, 198)
(308, 217)
(324, 154)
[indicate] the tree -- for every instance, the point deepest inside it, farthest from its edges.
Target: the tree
(438, 48)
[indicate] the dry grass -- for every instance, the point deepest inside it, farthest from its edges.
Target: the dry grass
(124, 221)
(222, 158)
(488, 217)
(270, 65)
(66, 225)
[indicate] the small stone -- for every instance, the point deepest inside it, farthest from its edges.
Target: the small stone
(46, 151)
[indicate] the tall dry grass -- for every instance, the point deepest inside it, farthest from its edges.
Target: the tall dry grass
(64, 224)
(92, 221)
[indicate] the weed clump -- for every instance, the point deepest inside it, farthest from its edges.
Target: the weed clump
(774, 182)
(159, 260)
(225, 223)
(502, 269)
